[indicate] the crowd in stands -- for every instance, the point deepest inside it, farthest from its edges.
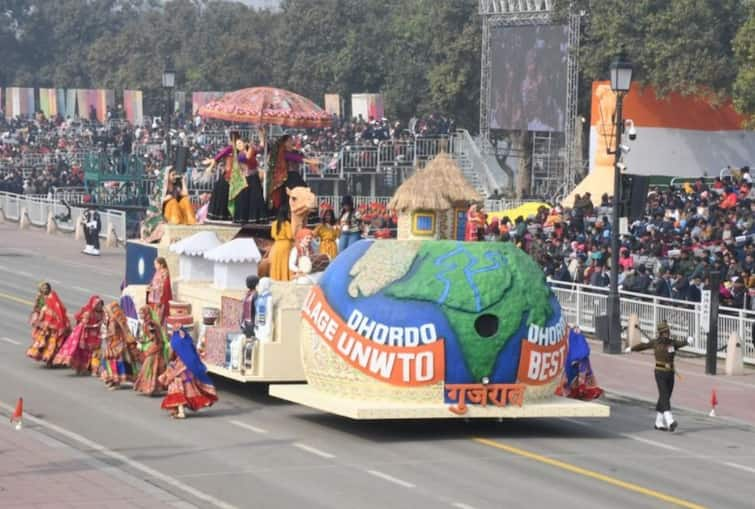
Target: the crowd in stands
(40, 154)
(687, 234)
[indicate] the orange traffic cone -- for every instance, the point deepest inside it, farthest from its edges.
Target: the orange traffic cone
(18, 414)
(713, 403)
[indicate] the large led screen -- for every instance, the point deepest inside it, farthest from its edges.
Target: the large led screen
(528, 77)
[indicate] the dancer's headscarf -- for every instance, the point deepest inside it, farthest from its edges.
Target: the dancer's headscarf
(117, 315)
(55, 315)
(87, 308)
(187, 352)
(155, 319)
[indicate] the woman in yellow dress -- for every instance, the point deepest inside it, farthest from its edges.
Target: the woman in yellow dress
(328, 233)
(177, 207)
(283, 237)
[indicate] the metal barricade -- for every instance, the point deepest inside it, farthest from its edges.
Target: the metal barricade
(39, 208)
(581, 304)
(359, 159)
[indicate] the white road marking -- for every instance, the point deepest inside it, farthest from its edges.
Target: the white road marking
(83, 290)
(579, 423)
(459, 505)
(650, 442)
(390, 478)
(740, 467)
(144, 469)
(23, 273)
(312, 450)
(11, 341)
(248, 426)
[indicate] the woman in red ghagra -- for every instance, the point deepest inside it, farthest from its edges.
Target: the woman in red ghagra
(188, 384)
(51, 328)
(159, 292)
(77, 350)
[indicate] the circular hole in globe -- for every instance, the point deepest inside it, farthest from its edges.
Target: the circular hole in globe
(486, 325)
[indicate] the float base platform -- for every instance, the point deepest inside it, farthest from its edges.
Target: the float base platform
(305, 395)
(251, 378)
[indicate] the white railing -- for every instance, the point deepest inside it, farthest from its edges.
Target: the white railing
(582, 304)
(38, 210)
(335, 201)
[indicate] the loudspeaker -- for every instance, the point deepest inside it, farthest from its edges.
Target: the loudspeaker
(181, 158)
(638, 196)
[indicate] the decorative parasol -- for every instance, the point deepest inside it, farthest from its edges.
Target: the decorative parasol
(267, 106)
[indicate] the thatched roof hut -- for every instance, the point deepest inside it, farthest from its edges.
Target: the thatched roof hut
(430, 202)
(439, 186)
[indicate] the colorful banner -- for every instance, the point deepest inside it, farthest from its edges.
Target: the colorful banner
(199, 99)
(97, 100)
(369, 106)
(71, 103)
(179, 102)
(419, 365)
(543, 354)
(19, 102)
(133, 106)
(333, 104)
(48, 102)
(60, 95)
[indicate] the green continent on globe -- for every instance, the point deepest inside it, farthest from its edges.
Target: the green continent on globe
(471, 279)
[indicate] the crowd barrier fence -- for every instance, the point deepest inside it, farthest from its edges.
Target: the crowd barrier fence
(582, 304)
(38, 209)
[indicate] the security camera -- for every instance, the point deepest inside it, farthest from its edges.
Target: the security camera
(622, 167)
(625, 148)
(631, 130)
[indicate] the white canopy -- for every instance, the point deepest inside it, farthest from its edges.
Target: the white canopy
(196, 245)
(236, 251)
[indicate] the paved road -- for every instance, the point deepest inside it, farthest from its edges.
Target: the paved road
(254, 451)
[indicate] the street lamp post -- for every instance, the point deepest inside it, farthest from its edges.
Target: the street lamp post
(621, 81)
(169, 81)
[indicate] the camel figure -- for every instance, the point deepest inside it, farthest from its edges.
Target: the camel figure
(301, 200)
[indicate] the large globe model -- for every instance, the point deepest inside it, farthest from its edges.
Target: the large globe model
(404, 319)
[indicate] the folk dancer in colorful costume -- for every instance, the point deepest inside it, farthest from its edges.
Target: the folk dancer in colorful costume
(250, 203)
(77, 350)
(580, 379)
(664, 348)
(327, 232)
(51, 327)
(350, 223)
(159, 292)
(219, 201)
(118, 355)
(92, 229)
(188, 384)
(284, 164)
(283, 239)
(155, 351)
(300, 257)
(177, 207)
(475, 221)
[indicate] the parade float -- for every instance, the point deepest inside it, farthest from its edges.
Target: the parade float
(209, 263)
(426, 326)
(434, 329)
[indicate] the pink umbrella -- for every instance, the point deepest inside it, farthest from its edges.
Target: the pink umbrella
(267, 106)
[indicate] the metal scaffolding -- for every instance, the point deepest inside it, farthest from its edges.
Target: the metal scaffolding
(555, 156)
